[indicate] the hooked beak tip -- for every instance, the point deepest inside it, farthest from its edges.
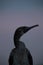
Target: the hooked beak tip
(29, 28)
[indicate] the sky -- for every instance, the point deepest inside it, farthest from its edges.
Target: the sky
(14, 14)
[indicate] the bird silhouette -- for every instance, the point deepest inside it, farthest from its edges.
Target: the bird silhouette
(20, 55)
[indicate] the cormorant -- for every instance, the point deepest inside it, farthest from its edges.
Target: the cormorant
(20, 55)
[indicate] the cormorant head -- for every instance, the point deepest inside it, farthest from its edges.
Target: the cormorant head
(21, 30)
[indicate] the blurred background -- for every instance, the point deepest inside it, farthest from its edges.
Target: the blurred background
(15, 13)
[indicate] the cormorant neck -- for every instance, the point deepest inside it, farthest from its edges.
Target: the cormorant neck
(16, 37)
(18, 43)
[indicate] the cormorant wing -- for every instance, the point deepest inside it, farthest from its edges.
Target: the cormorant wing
(10, 60)
(29, 57)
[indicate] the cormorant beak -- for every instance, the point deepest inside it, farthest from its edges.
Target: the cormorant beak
(29, 28)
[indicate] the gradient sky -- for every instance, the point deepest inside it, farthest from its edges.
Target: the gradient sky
(18, 13)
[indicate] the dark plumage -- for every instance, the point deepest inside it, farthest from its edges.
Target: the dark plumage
(20, 54)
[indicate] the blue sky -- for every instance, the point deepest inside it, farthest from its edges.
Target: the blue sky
(20, 4)
(18, 13)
